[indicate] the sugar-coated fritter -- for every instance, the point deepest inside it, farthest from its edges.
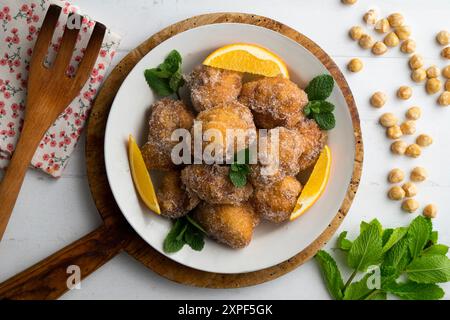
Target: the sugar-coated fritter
(229, 224)
(212, 184)
(173, 198)
(276, 202)
(211, 86)
(314, 141)
(274, 102)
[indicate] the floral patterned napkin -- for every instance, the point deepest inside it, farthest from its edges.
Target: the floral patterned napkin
(20, 21)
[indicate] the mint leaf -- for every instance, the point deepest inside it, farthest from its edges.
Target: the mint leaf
(398, 256)
(172, 62)
(358, 290)
(434, 237)
(320, 87)
(364, 225)
(194, 238)
(307, 110)
(172, 243)
(436, 249)
(238, 179)
(419, 233)
(195, 224)
(429, 269)
(176, 81)
(343, 243)
(415, 291)
(159, 85)
(395, 236)
(366, 249)
(331, 274)
(326, 120)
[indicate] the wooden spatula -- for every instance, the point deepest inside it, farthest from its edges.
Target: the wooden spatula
(50, 90)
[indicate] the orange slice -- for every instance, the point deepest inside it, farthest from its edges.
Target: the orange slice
(316, 184)
(249, 58)
(141, 176)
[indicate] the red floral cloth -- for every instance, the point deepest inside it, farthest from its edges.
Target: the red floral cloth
(20, 21)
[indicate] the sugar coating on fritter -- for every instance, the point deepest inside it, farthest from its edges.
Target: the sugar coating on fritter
(211, 86)
(276, 202)
(228, 224)
(173, 198)
(314, 141)
(156, 157)
(274, 102)
(212, 184)
(273, 166)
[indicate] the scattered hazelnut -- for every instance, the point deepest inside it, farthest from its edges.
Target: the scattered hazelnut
(378, 99)
(370, 17)
(398, 147)
(445, 53)
(355, 65)
(413, 151)
(415, 62)
(433, 72)
(430, 211)
(403, 32)
(410, 205)
(443, 37)
(388, 120)
(444, 98)
(391, 39)
(410, 189)
(366, 41)
(404, 92)
(349, 2)
(396, 20)
(446, 72)
(418, 75)
(433, 85)
(418, 174)
(408, 127)
(382, 26)
(379, 48)
(394, 132)
(356, 32)
(408, 46)
(424, 140)
(413, 113)
(396, 175)
(396, 193)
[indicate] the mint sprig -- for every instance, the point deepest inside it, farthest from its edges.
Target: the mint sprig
(318, 90)
(185, 230)
(240, 168)
(410, 263)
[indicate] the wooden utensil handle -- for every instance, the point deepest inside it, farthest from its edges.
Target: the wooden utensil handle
(48, 279)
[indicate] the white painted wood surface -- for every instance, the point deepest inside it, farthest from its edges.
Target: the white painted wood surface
(51, 214)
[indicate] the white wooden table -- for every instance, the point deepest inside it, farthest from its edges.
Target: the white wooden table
(51, 214)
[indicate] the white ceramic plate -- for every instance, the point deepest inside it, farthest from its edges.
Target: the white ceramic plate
(272, 244)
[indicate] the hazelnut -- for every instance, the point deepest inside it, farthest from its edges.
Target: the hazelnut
(404, 92)
(415, 62)
(413, 113)
(445, 53)
(410, 189)
(408, 127)
(413, 151)
(394, 132)
(382, 26)
(378, 99)
(388, 120)
(370, 17)
(424, 140)
(396, 175)
(410, 205)
(433, 72)
(430, 211)
(349, 2)
(444, 98)
(391, 39)
(396, 20)
(398, 147)
(403, 32)
(447, 85)
(379, 48)
(396, 193)
(355, 65)
(446, 72)
(418, 75)
(366, 41)
(418, 174)
(443, 38)
(408, 46)
(433, 85)
(356, 32)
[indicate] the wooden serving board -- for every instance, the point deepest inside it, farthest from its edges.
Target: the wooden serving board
(47, 279)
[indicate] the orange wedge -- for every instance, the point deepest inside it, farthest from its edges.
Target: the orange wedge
(249, 58)
(141, 176)
(316, 184)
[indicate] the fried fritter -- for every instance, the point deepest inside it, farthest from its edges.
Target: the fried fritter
(228, 224)
(211, 86)
(313, 141)
(173, 198)
(276, 202)
(274, 102)
(212, 184)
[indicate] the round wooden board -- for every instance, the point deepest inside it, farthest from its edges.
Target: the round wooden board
(109, 210)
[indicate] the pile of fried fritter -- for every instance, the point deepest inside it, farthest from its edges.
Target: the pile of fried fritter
(222, 100)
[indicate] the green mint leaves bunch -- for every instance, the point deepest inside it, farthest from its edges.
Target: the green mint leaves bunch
(318, 90)
(185, 230)
(239, 171)
(407, 261)
(167, 78)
